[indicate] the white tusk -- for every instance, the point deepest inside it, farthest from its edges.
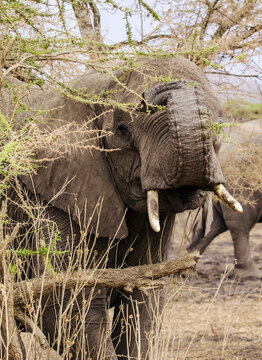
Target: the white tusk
(153, 209)
(227, 198)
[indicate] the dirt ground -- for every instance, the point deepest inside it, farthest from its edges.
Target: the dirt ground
(213, 316)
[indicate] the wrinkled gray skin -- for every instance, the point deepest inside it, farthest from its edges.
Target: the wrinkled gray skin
(223, 218)
(170, 150)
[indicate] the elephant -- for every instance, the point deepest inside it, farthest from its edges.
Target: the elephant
(117, 162)
(219, 216)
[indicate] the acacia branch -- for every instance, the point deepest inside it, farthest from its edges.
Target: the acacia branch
(256, 76)
(237, 16)
(245, 36)
(133, 277)
(142, 42)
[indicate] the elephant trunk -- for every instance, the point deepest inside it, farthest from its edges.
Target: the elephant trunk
(190, 157)
(190, 125)
(189, 154)
(190, 128)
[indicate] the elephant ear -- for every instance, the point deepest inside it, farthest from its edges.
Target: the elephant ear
(77, 179)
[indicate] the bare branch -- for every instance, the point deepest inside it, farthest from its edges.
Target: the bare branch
(32, 327)
(133, 277)
(247, 34)
(236, 18)
(9, 239)
(255, 76)
(145, 40)
(211, 8)
(3, 58)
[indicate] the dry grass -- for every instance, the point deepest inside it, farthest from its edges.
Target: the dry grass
(216, 317)
(230, 328)
(205, 317)
(243, 171)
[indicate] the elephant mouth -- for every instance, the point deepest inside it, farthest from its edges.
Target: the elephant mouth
(175, 200)
(184, 198)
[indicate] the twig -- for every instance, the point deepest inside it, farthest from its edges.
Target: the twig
(259, 77)
(8, 239)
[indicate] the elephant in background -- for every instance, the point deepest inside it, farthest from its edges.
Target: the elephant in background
(245, 149)
(113, 208)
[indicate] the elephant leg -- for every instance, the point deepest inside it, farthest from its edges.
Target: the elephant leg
(218, 226)
(134, 316)
(245, 266)
(75, 321)
(78, 326)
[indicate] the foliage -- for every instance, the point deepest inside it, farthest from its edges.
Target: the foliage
(41, 38)
(243, 171)
(14, 151)
(45, 251)
(219, 129)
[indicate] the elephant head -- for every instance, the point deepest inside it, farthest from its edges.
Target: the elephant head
(157, 157)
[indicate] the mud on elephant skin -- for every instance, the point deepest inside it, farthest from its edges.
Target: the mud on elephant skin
(245, 150)
(163, 162)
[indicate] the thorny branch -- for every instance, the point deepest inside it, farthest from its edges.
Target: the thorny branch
(255, 76)
(236, 18)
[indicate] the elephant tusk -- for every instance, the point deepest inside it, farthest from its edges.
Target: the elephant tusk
(153, 209)
(227, 198)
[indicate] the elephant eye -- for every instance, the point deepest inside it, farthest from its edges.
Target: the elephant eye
(122, 129)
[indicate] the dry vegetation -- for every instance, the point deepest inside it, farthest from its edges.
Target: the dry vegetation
(215, 316)
(243, 171)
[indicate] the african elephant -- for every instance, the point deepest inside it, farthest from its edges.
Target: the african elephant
(222, 219)
(155, 159)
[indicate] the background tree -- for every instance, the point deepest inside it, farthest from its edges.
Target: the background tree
(216, 34)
